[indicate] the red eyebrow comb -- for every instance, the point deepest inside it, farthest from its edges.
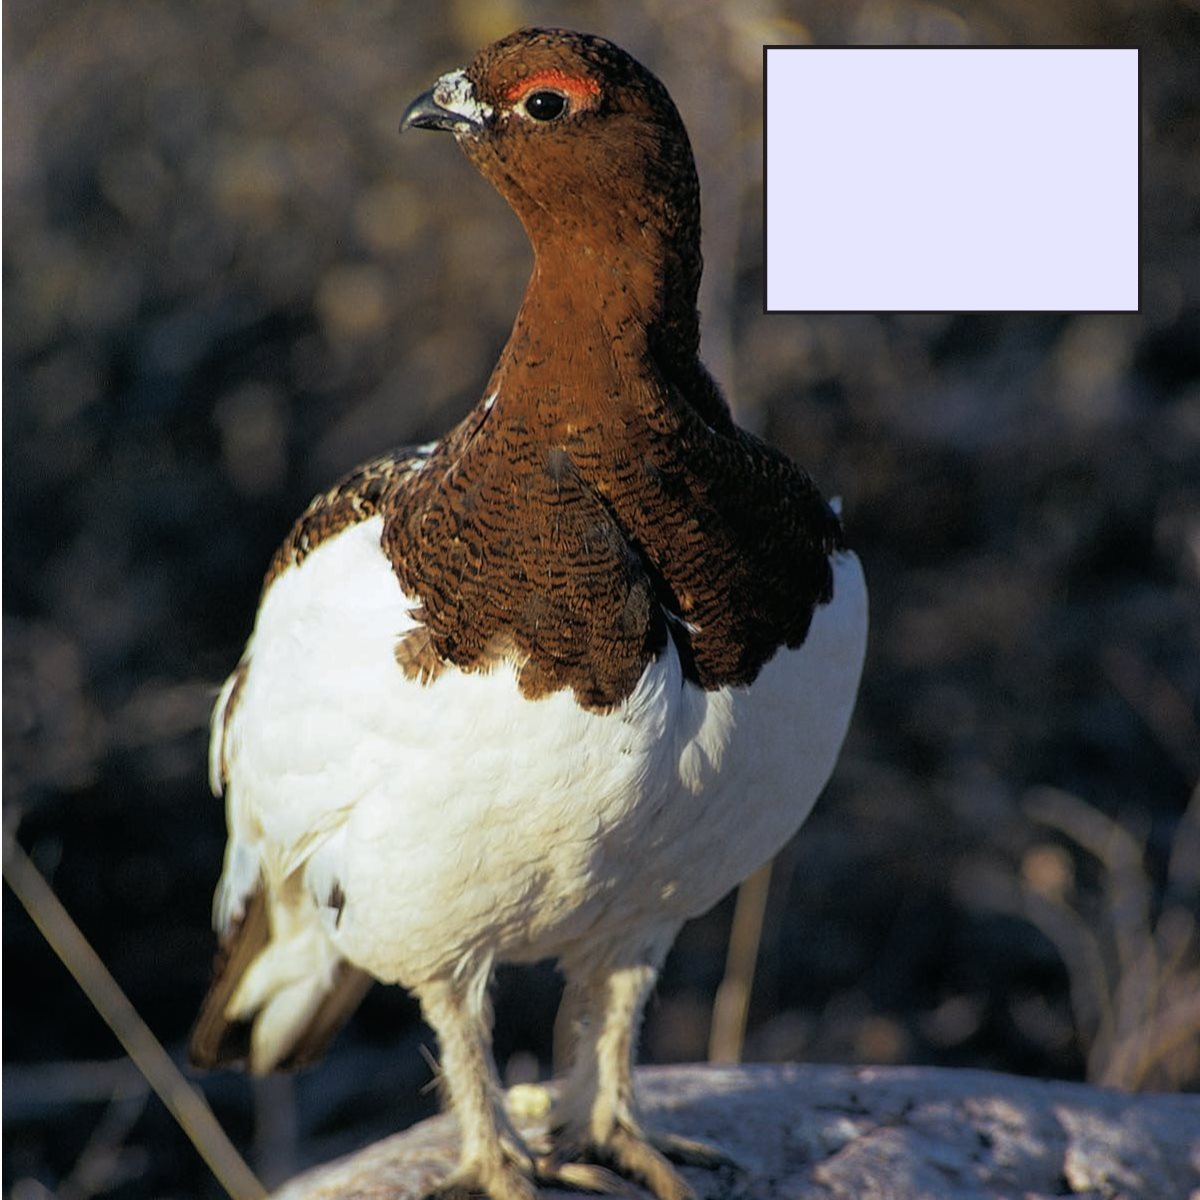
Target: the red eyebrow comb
(581, 87)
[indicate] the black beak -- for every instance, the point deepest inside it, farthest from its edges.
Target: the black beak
(426, 113)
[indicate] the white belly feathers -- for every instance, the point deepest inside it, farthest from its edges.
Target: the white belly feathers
(426, 818)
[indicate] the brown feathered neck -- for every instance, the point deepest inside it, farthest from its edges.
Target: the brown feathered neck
(599, 500)
(610, 200)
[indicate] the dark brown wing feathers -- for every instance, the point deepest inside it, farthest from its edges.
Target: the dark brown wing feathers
(217, 1041)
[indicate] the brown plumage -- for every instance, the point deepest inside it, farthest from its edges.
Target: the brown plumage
(355, 497)
(608, 450)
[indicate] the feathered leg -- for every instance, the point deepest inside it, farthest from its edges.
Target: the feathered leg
(598, 1118)
(494, 1161)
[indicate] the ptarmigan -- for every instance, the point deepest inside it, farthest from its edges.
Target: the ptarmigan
(548, 687)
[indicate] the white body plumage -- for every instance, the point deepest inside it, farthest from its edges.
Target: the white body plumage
(420, 830)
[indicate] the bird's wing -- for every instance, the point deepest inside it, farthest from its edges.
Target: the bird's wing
(283, 725)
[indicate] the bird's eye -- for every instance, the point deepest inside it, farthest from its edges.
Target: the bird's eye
(545, 105)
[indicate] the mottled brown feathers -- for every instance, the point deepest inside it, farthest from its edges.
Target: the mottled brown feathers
(514, 555)
(604, 496)
(578, 558)
(601, 499)
(354, 498)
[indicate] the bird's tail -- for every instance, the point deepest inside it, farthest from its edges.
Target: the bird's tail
(280, 991)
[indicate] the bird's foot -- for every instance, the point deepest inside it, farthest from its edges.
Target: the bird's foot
(520, 1175)
(507, 1172)
(579, 1176)
(643, 1157)
(506, 1182)
(690, 1152)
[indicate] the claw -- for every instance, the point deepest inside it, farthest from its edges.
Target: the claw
(688, 1152)
(643, 1157)
(635, 1156)
(579, 1177)
(504, 1183)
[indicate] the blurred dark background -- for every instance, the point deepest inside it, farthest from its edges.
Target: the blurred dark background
(227, 280)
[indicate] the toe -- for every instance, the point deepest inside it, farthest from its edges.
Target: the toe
(578, 1176)
(451, 1191)
(637, 1158)
(632, 1154)
(691, 1153)
(502, 1183)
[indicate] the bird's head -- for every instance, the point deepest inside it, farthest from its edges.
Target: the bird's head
(582, 141)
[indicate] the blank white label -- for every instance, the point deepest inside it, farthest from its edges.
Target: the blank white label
(951, 180)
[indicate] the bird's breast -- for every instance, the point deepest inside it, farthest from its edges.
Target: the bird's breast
(459, 813)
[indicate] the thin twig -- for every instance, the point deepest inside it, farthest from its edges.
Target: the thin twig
(103, 1163)
(1164, 1035)
(1080, 950)
(732, 1005)
(276, 1128)
(1164, 708)
(1077, 945)
(1183, 867)
(30, 1090)
(1138, 976)
(185, 1103)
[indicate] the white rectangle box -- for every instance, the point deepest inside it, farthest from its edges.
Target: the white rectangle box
(961, 179)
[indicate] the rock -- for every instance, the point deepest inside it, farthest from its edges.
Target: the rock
(856, 1133)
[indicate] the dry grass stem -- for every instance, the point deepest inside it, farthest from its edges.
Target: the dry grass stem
(184, 1102)
(730, 1009)
(1134, 979)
